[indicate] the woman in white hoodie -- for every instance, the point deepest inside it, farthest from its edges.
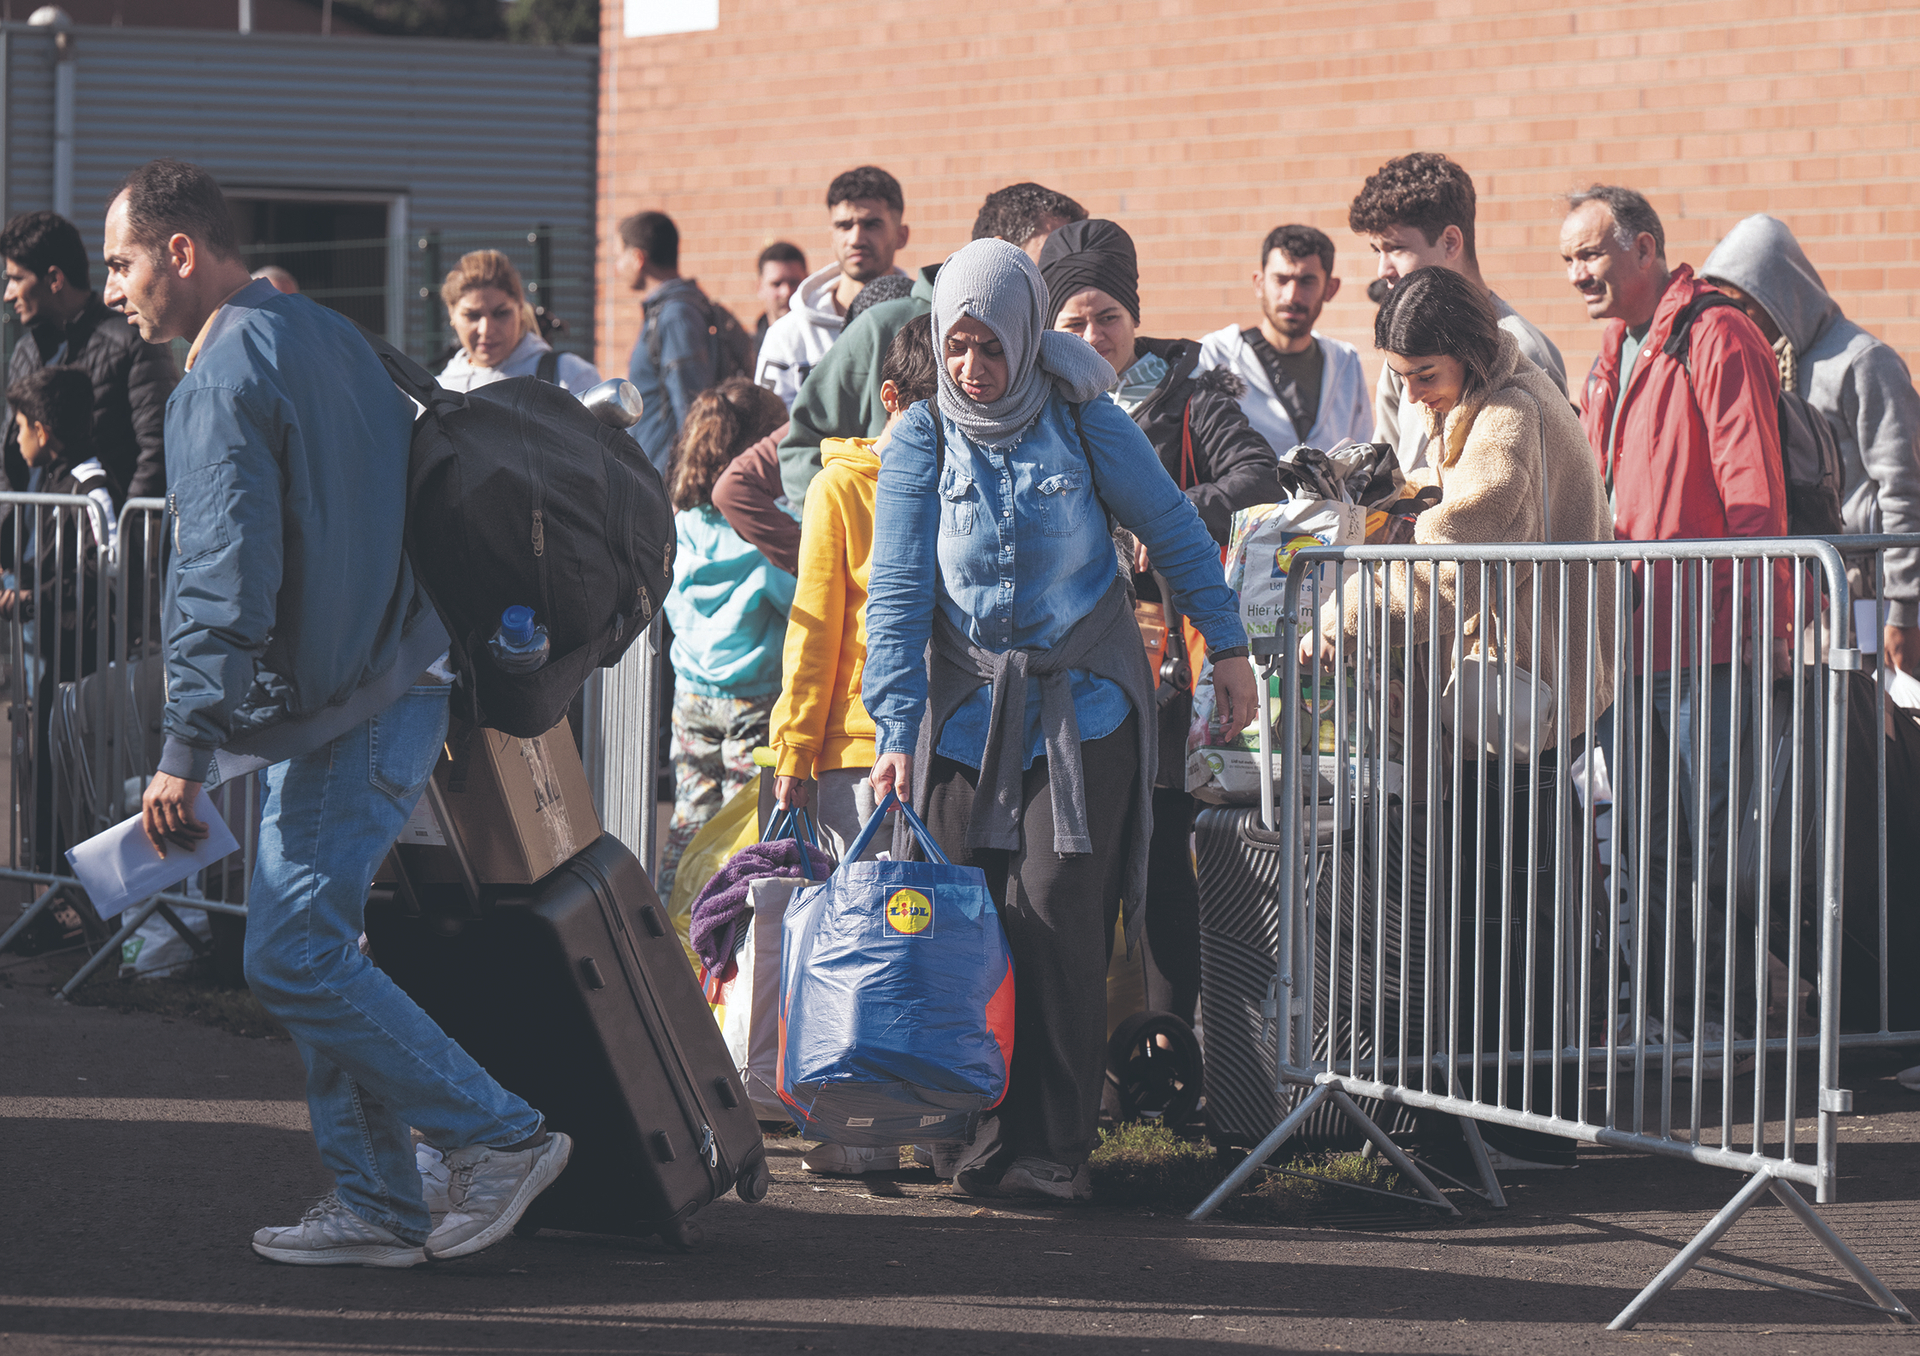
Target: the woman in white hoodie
(499, 336)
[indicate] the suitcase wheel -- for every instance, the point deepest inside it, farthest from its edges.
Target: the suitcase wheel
(684, 1235)
(1153, 1061)
(754, 1180)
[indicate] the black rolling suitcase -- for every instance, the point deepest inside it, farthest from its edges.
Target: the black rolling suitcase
(1239, 865)
(575, 994)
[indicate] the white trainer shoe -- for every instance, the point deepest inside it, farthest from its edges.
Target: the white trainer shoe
(435, 1177)
(330, 1235)
(847, 1160)
(1909, 1078)
(490, 1189)
(1038, 1179)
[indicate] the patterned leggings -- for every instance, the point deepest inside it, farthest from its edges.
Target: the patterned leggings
(713, 743)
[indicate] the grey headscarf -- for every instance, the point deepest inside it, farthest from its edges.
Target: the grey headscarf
(998, 285)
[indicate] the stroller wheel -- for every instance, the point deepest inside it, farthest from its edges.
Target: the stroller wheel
(1153, 1061)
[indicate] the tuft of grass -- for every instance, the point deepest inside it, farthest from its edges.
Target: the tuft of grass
(1284, 1199)
(195, 997)
(1146, 1162)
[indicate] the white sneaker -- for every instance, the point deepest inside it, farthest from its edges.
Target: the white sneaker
(330, 1235)
(847, 1160)
(1909, 1078)
(943, 1157)
(435, 1176)
(490, 1189)
(1039, 1179)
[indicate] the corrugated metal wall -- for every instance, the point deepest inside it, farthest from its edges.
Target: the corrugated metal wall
(485, 141)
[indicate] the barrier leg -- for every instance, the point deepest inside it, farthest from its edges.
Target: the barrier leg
(187, 934)
(1885, 1299)
(1684, 1261)
(34, 910)
(1395, 1154)
(1262, 1152)
(1477, 1151)
(135, 917)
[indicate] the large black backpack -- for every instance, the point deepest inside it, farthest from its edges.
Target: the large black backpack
(1809, 453)
(516, 493)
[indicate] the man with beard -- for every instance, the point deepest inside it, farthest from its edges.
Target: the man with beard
(1301, 387)
(864, 207)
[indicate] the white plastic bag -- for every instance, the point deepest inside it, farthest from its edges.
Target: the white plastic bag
(156, 951)
(1260, 556)
(748, 1009)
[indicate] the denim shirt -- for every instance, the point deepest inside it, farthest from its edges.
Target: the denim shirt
(1021, 552)
(676, 327)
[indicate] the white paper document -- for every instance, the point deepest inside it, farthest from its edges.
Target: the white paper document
(119, 867)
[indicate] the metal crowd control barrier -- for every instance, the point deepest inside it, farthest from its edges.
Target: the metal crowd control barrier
(1537, 887)
(623, 744)
(86, 713)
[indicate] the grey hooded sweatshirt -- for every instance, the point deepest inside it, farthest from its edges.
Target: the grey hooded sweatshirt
(1859, 383)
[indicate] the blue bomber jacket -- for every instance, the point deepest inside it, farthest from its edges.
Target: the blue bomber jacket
(292, 611)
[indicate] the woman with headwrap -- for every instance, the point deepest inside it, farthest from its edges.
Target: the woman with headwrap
(1195, 423)
(1024, 735)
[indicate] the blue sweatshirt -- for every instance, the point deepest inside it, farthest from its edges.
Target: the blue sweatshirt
(728, 608)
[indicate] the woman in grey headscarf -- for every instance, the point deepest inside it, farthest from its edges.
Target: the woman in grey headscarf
(1025, 736)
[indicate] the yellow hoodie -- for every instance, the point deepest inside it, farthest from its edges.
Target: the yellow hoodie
(819, 722)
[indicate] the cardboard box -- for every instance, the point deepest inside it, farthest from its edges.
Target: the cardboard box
(522, 808)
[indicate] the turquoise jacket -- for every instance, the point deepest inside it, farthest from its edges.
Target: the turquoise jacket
(728, 609)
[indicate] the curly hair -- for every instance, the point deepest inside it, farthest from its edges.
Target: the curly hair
(61, 398)
(1437, 311)
(1424, 190)
(1014, 213)
(721, 424)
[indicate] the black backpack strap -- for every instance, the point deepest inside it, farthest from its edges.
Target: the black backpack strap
(549, 367)
(410, 376)
(1680, 337)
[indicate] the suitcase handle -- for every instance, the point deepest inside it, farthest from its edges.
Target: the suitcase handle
(1257, 836)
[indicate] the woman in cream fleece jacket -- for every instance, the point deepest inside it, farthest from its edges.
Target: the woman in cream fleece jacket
(1514, 466)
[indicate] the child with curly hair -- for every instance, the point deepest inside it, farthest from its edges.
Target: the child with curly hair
(728, 609)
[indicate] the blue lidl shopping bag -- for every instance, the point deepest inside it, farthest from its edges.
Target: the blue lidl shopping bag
(896, 999)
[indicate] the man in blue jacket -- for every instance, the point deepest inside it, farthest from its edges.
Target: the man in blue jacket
(297, 637)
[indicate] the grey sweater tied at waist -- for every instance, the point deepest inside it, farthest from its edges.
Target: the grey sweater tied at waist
(1106, 643)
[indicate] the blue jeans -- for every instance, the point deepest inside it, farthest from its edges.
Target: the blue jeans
(1702, 923)
(376, 1064)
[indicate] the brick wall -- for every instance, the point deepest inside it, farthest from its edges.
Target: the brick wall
(1200, 124)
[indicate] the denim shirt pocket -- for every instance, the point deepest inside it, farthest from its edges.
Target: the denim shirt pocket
(1063, 501)
(956, 503)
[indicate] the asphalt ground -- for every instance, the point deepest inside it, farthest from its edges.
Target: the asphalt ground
(140, 1152)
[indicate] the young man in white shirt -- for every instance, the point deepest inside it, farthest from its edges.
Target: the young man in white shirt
(1302, 387)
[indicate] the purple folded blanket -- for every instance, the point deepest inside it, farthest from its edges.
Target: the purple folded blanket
(721, 906)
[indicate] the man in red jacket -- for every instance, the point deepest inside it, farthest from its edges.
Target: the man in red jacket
(1689, 447)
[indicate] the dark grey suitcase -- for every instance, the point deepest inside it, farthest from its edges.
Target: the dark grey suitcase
(576, 995)
(1239, 867)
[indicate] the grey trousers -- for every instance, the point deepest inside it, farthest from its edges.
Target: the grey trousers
(843, 803)
(1059, 915)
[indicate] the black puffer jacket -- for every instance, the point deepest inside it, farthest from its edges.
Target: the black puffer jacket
(131, 382)
(1233, 466)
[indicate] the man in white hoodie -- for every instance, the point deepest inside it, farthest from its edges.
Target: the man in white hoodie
(864, 210)
(1301, 387)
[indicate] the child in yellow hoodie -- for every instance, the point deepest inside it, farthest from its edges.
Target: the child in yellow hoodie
(821, 730)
